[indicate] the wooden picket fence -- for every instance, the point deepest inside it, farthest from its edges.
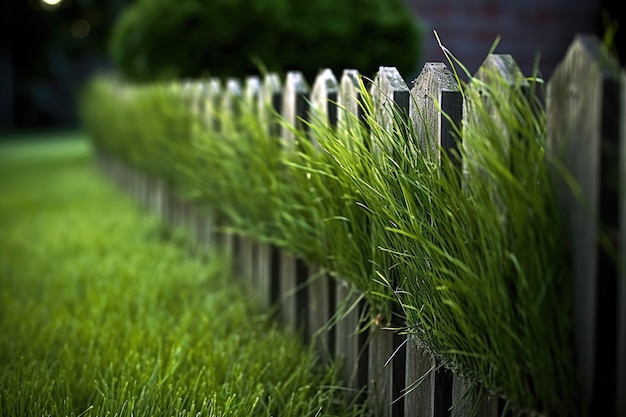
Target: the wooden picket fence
(586, 94)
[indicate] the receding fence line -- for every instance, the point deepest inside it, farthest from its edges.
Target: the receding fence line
(586, 93)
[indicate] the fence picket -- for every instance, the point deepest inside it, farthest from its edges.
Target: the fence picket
(390, 96)
(229, 101)
(350, 111)
(351, 349)
(586, 127)
(248, 247)
(295, 106)
(435, 91)
(269, 104)
(583, 134)
(321, 302)
(469, 400)
(324, 99)
(293, 271)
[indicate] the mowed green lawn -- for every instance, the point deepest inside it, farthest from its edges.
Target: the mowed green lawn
(101, 315)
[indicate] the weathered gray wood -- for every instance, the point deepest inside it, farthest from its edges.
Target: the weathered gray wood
(436, 92)
(469, 401)
(249, 246)
(288, 289)
(501, 73)
(390, 96)
(295, 107)
(319, 310)
(270, 104)
(227, 121)
(583, 135)
(380, 390)
(350, 111)
(156, 204)
(195, 94)
(203, 221)
(251, 93)
(347, 349)
(419, 400)
(324, 99)
(205, 227)
(212, 97)
(180, 212)
(246, 260)
(230, 105)
(263, 272)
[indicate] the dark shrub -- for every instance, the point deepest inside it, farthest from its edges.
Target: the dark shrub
(190, 38)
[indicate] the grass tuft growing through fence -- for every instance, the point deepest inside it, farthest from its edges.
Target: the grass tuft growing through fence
(100, 315)
(468, 256)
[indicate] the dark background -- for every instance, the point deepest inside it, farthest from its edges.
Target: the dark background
(48, 53)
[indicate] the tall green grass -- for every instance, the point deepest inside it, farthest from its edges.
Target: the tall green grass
(101, 315)
(476, 254)
(469, 262)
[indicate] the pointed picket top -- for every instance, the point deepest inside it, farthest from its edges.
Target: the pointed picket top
(435, 94)
(233, 91)
(504, 66)
(390, 97)
(497, 82)
(186, 90)
(212, 98)
(350, 100)
(270, 102)
(324, 97)
(583, 109)
(295, 105)
(230, 104)
(350, 111)
(500, 71)
(251, 92)
(195, 92)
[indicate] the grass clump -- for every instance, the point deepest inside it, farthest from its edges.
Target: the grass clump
(470, 257)
(100, 315)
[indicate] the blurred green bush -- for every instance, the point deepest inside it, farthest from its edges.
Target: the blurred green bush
(156, 39)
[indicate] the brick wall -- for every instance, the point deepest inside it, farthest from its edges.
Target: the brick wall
(468, 28)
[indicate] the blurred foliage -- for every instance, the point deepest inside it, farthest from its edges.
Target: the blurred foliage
(154, 39)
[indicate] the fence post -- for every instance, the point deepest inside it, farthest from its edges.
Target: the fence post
(435, 92)
(214, 91)
(208, 107)
(583, 122)
(248, 249)
(390, 96)
(295, 105)
(502, 72)
(321, 300)
(269, 105)
(176, 210)
(195, 219)
(351, 349)
(293, 272)
(350, 112)
(228, 117)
